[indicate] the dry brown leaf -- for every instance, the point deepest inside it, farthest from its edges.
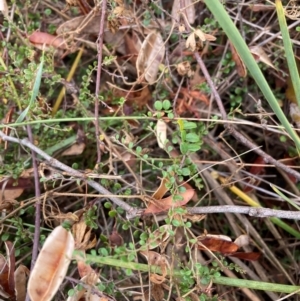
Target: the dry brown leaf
(197, 78)
(83, 268)
(91, 278)
(161, 190)
(51, 265)
(81, 26)
(21, 275)
(157, 292)
(39, 39)
(83, 237)
(115, 239)
(161, 133)
(191, 42)
(141, 97)
(82, 294)
(184, 68)
(215, 244)
(92, 25)
(133, 45)
(155, 258)
(167, 203)
(5, 289)
(75, 149)
(240, 66)
(295, 113)
(242, 240)
(4, 8)
(188, 8)
(11, 194)
(150, 56)
(261, 56)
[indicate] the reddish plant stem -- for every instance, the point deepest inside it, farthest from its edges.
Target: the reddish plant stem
(37, 221)
(98, 80)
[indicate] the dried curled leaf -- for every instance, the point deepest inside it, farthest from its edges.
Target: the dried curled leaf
(38, 39)
(52, 265)
(74, 150)
(161, 132)
(150, 56)
(242, 241)
(295, 114)
(20, 276)
(166, 203)
(90, 26)
(159, 236)
(240, 66)
(192, 39)
(155, 258)
(260, 55)
(184, 68)
(191, 42)
(83, 236)
(161, 190)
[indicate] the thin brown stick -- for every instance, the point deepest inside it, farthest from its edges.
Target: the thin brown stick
(98, 80)
(37, 221)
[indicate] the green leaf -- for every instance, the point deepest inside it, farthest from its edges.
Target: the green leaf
(193, 147)
(189, 125)
(4, 237)
(128, 272)
(138, 150)
(177, 197)
(184, 148)
(71, 292)
(192, 137)
(103, 252)
(107, 205)
(183, 135)
(166, 104)
(158, 105)
(176, 223)
(125, 226)
(185, 171)
(112, 213)
(217, 274)
(182, 189)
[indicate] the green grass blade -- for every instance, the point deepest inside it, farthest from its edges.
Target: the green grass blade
(285, 197)
(237, 40)
(35, 90)
(259, 285)
(288, 49)
(284, 226)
